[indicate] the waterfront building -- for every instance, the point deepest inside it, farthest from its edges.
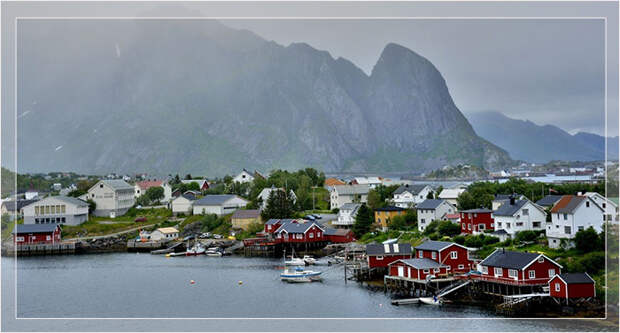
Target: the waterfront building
(430, 210)
(453, 255)
(417, 269)
(342, 194)
(334, 235)
(381, 255)
(183, 204)
(519, 215)
(572, 285)
(475, 221)
(164, 234)
(36, 233)
(407, 196)
(384, 215)
(346, 215)
(219, 204)
(299, 231)
(56, 210)
(518, 268)
(243, 218)
(113, 197)
(570, 215)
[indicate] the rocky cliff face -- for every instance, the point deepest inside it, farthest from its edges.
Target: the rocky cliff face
(199, 97)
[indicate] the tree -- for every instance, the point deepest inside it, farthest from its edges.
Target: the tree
(374, 200)
(447, 228)
(188, 176)
(586, 240)
(280, 205)
(397, 222)
(92, 206)
(154, 194)
(363, 221)
(430, 195)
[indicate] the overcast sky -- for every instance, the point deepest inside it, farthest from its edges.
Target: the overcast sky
(546, 71)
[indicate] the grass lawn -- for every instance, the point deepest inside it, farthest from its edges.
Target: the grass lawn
(8, 228)
(95, 227)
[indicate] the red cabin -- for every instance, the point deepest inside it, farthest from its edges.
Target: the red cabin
(417, 269)
(36, 233)
(475, 221)
(572, 285)
(381, 255)
(334, 235)
(299, 231)
(453, 255)
(518, 268)
(272, 225)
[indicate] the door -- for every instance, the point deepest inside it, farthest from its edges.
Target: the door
(401, 271)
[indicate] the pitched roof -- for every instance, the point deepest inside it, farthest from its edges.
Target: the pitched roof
(200, 182)
(549, 200)
(146, 184)
(421, 263)
(477, 210)
(168, 230)
(571, 278)
(413, 189)
(246, 214)
(568, 204)
(430, 204)
(351, 189)
(380, 249)
(14, 205)
(350, 206)
(188, 196)
(32, 228)
(453, 216)
(509, 259)
(507, 209)
(334, 182)
(71, 200)
(296, 226)
(337, 232)
(272, 221)
(117, 184)
(214, 199)
(390, 209)
(431, 245)
(451, 193)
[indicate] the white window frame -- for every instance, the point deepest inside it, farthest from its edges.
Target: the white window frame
(434, 255)
(513, 273)
(496, 270)
(426, 271)
(379, 257)
(551, 272)
(436, 270)
(557, 286)
(421, 254)
(541, 260)
(531, 274)
(461, 266)
(485, 270)
(454, 255)
(19, 238)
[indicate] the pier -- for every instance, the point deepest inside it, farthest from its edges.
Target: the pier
(40, 249)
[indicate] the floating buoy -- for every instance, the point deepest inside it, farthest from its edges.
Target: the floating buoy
(380, 304)
(192, 281)
(240, 282)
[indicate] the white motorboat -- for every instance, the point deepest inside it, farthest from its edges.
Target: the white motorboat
(294, 262)
(309, 260)
(195, 250)
(214, 252)
(431, 300)
(300, 275)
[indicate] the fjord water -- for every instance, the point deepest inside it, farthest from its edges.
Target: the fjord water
(130, 285)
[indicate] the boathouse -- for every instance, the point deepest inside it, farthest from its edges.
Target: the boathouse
(474, 221)
(334, 235)
(381, 255)
(300, 231)
(452, 255)
(518, 268)
(572, 286)
(36, 234)
(417, 269)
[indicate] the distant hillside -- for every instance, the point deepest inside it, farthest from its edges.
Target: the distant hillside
(199, 97)
(524, 140)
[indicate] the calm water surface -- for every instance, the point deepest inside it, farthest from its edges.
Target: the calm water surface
(129, 285)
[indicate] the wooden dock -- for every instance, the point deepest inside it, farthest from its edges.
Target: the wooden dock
(41, 249)
(139, 246)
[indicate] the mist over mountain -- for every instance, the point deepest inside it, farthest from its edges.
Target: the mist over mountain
(524, 140)
(197, 96)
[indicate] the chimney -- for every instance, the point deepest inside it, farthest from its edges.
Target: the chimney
(512, 200)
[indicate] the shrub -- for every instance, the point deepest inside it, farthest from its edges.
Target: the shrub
(526, 236)
(447, 228)
(460, 239)
(431, 228)
(587, 241)
(434, 236)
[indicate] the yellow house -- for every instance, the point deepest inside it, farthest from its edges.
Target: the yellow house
(384, 215)
(242, 219)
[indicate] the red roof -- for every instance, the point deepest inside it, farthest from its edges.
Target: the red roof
(453, 216)
(146, 184)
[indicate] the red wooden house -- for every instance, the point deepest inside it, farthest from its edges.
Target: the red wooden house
(572, 285)
(518, 268)
(334, 235)
(417, 269)
(453, 255)
(381, 255)
(475, 221)
(36, 233)
(299, 231)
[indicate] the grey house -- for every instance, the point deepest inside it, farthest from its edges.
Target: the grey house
(58, 210)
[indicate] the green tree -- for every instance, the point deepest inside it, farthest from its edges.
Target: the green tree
(154, 194)
(447, 228)
(280, 205)
(92, 206)
(430, 195)
(363, 221)
(188, 176)
(587, 240)
(398, 222)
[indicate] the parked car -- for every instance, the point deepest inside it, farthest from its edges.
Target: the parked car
(317, 216)
(309, 217)
(216, 236)
(140, 219)
(203, 235)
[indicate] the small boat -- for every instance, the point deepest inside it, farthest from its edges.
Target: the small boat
(294, 262)
(214, 252)
(300, 275)
(196, 250)
(431, 300)
(176, 254)
(309, 260)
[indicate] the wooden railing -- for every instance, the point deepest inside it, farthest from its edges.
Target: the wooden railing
(510, 281)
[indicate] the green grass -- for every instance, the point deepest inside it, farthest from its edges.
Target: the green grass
(7, 228)
(93, 227)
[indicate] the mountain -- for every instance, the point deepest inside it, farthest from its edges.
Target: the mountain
(197, 96)
(526, 141)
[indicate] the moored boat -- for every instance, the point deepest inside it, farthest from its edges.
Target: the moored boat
(214, 252)
(309, 260)
(431, 300)
(196, 250)
(300, 275)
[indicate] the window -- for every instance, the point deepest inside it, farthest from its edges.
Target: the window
(47, 209)
(480, 226)
(426, 271)
(499, 224)
(48, 237)
(498, 271)
(485, 270)
(421, 254)
(63, 209)
(512, 273)
(587, 203)
(100, 185)
(379, 257)
(469, 226)
(463, 227)
(454, 255)
(519, 224)
(311, 235)
(536, 224)
(62, 219)
(567, 230)
(532, 274)
(551, 272)
(36, 210)
(53, 209)
(19, 239)
(525, 212)
(580, 228)
(461, 266)
(422, 221)
(318, 234)
(557, 286)
(434, 255)
(565, 216)
(507, 225)
(436, 270)
(541, 260)
(492, 225)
